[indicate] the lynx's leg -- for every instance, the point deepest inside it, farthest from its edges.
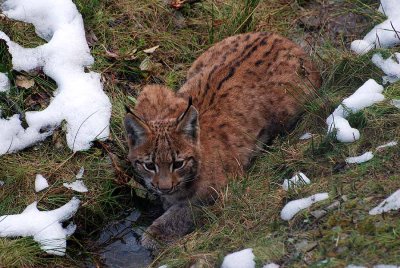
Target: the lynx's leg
(177, 221)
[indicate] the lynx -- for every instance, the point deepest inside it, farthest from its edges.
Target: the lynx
(239, 94)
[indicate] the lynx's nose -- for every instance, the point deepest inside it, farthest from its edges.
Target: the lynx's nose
(164, 186)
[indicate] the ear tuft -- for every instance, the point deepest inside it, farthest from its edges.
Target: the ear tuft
(136, 129)
(188, 123)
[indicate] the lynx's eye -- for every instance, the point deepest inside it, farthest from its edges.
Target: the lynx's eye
(178, 164)
(150, 166)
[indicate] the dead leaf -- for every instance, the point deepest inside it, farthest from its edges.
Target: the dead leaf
(131, 55)
(91, 38)
(40, 99)
(150, 50)
(24, 82)
(149, 66)
(111, 54)
(145, 65)
(178, 4)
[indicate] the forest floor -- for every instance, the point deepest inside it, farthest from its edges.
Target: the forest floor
(248, 211)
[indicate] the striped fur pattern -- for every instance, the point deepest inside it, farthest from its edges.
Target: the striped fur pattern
(246, 90)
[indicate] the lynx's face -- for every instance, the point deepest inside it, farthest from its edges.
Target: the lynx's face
(164, 154)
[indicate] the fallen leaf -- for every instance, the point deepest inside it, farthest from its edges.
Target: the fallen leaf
(131, 55)
(145, 65)
(40, 99)
(149, 66)
(24, 82)
(150, 50)
(91, 38)
(111, 54)
(178, 4)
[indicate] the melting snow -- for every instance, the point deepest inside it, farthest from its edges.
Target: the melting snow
(395, 103)
(40, 183)
(271, 265)
(389, 144)
(78, 184)
(382, 35)
(239, 259)
(79, 98)
(365, 96)
(4, 82)
(293, 207)
(389, 66)
(297, 180)
(390, 203)
(306, 136)
(44, 226)
(360, 159)
(79, 175)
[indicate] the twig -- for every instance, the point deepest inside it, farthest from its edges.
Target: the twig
(122, 177)
(397, 33)
(178, 4)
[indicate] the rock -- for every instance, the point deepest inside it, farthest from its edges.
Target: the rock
(305, 246)
(318, 213)
(333, 206)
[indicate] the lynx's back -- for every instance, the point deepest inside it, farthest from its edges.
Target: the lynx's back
(248, 88)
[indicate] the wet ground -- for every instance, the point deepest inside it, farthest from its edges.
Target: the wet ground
(337, 22)
(119, 246)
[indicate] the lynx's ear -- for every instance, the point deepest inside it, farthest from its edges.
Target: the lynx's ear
(188, 123)
(136, 129)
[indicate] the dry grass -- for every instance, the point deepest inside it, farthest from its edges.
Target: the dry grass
(247, 214)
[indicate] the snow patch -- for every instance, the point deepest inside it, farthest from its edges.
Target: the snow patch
(4, 83)
(271, 265)
(368, 94)
(79, 98)
(306, 136)
(297, 180)
(382, 35)
(14, 137)
(239, 259)
(389, 144)
(77, 186)
(395, 103)
(44, 226)
(295, 206)
(390, 67)
(40, 183)
(79, 175)
(360, 159)
(390, 203)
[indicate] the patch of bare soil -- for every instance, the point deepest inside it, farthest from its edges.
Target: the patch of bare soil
(334, 22)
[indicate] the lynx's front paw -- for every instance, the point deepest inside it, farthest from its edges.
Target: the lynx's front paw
(149, 240)
(155, 237)
(173, 224)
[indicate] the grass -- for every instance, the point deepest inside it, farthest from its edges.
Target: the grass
(247, 214)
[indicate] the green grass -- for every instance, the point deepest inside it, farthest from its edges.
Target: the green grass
(247, 213)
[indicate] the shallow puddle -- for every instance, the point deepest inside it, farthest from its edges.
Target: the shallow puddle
(119, 246)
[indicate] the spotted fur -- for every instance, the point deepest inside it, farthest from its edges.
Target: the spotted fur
(245, 90)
